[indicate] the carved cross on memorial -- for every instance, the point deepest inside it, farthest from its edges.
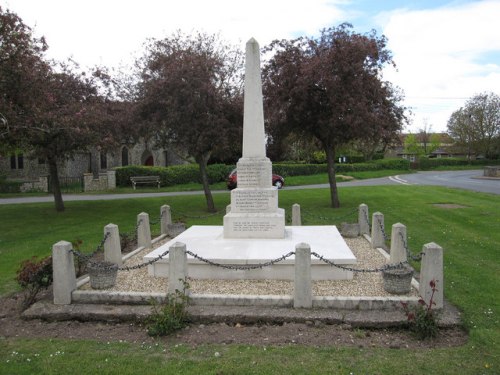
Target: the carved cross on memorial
(254, 203)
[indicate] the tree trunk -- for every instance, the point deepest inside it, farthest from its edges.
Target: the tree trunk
(330, 159)
(56, 187)
(202, 162)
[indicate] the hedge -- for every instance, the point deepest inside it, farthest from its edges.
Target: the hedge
(287, 170)
(7, 186)
(183, 174)
(427, 164)
(173, 175)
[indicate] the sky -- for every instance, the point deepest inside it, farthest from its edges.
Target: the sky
(445, 51)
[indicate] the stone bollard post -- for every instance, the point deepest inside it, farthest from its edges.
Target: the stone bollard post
(302, 289)
(166, 218)
(398, 244)
(143, 230)
(296, 217)
(177, 267)
(364, 225)
(112, 246)
(378, 239)
(432, 269)
(63, 273)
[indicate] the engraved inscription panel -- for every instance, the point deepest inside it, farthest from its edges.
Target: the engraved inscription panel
(254, 174)
(253, 226)
(254, 200)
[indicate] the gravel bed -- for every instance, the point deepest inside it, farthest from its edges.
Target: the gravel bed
(362, 284)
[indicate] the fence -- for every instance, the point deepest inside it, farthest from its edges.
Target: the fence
(431, 257)
(68, 184)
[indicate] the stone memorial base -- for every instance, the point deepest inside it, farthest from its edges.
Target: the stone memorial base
(208, 242)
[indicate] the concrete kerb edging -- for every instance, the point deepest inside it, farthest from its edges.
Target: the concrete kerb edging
(321, 302)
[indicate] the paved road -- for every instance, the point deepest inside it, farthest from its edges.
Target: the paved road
(469, 180)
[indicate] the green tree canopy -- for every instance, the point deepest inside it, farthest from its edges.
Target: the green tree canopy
(476, 126)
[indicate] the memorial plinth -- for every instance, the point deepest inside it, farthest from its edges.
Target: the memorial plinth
(254, 203)
(209, 243)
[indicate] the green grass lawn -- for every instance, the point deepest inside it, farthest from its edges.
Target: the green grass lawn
(470, 236)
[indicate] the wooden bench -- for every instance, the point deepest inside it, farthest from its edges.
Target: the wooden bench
(145, 180)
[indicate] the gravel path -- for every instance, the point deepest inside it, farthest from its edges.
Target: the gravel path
(363, 284)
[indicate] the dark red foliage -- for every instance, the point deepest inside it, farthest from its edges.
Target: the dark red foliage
(49, 111)
(330, 88)
(33, 276)
(190, 96)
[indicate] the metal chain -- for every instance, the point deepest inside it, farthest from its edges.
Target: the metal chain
(149, 262)
(154, 222)
(243, 266)
(132, 235)
(138, 224)
(409, 255)
(86, 257)
(380, 269)
(382, 229)
(367, 219)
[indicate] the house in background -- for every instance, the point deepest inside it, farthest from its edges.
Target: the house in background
(28, 168)
(445, 149)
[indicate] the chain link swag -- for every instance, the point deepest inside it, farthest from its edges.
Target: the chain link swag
(409, 254)
(242, 266)
(362, 270)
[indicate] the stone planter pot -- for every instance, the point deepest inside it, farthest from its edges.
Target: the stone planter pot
(175, 229)
(349, 230)
(102, 274)
(398, 280)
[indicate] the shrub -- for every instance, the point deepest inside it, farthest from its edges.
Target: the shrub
(171, 316)
(7, 186)
(34, 275)
(287, 170)
(428, 164)
(396, 164)
(422, 319)
(319, 157)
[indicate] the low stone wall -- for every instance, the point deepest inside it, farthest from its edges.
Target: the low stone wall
(106, 181)
(42, 184)
(492, 171)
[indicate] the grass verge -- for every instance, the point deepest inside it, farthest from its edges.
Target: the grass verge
(468, 232)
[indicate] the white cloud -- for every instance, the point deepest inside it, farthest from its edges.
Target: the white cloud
(439, 56)
(440, 53)
(105, 32)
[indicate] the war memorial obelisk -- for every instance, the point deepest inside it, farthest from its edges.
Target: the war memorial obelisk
(254, 230)
(254, 203)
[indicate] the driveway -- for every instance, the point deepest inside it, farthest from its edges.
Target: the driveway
(468, 180)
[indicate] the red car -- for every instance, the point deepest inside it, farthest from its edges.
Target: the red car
(232, 180)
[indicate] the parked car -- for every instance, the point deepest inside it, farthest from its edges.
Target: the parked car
(232, 180)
